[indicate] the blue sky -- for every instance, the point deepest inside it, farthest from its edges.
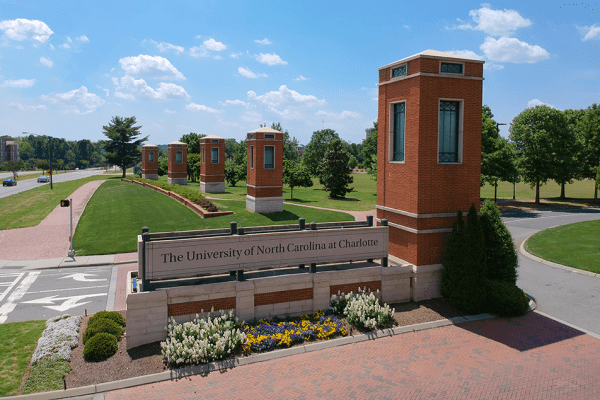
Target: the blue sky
(223, 68)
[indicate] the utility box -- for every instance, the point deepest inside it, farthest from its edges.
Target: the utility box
(150, 162)
(212, 167)
(177, 172)
(428, 150)
(265, 171)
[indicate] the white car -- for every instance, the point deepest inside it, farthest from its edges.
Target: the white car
(43, 179)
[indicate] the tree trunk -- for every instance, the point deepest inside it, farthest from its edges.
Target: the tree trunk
(562, 191)
(124, 170)
(537, 192)
(495, 191)
(291, 192)
(596, 193)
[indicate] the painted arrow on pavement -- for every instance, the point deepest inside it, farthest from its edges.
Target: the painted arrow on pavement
(81, 277)
(68, 303)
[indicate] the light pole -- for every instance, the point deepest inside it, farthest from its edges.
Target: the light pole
(49, 153)
(496, 188)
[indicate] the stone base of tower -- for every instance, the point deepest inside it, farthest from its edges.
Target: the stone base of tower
(212, 187)
(153, 177)
(177, 181)
(264, 205)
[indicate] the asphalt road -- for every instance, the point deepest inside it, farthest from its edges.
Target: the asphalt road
(29, 184)
(571, 297)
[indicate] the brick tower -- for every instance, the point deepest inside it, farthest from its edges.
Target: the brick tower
(428, 152)
(150, 162)
(212, 167)
(265, 171)
(177, 172)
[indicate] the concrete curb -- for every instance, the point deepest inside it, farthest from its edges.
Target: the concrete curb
(102, 264)
(96, 391)
(553, 264)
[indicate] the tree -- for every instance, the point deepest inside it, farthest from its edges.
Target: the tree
(352, 161)
(193, 166)
(538, 134)
(501, 256)
(588, 129)
(290, 145)
(193, 142)
(14, 167)
(315, 150)
(334, 171)
(295, 175)
(232, 173)
(163, 165)
(369, 152)
(123, 146)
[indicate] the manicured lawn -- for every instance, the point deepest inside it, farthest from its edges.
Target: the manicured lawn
(583, 189)
(118, 210)
(575, 245)
(17, 343)
(29, 208)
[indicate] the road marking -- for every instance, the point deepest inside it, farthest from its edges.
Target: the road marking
(64, 290)
(10, 286)
(80, 276)
(16, 295)
(68, 303)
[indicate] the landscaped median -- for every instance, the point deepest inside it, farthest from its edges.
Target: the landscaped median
(185, 196)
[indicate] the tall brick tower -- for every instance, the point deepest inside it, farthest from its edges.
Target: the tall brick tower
(150, 161)
(265, 171)
(212, 167)
(177, 172)
(428, 151)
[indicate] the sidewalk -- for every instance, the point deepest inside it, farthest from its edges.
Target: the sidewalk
(68, 262)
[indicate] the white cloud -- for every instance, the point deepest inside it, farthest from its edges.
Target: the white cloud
(301, 78)
(65, 46)
(200, 107)
(140, 87)
(76, 99)
(218, 57)
(197, 36)
(589, 32)
(466, 53)
(270, 59)
(83, 39)
(512, 50)
(167, 111)
(406, 26)
(492, 66)
(495, 22)
(155, 65)
(1, 76)
(233, 103)
(69, 40)
(199, 51)
(27, 108)
(285, 95)
(252, 117)
(21, 29)
(228, 124)
(212, 44)
(19, 83)
(537, 102)
(51, 46)
(236, 55)
(264, 41)
(339, 116)
(249, 74)
(163, 47)
(46, 62)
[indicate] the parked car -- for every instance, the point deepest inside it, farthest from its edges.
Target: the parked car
(9, 182)
(43, 179)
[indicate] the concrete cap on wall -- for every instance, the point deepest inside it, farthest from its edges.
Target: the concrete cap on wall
(265, 130)
(433, 54)
(177, 142)
(212, 137)
(149, 145)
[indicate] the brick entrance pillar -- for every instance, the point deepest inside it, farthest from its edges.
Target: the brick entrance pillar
(428, 151)
(177, 173)
(150, 161)
(265, 171)
(212, 168)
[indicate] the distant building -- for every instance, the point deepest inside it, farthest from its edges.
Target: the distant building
(9, 150)
(300, 150)
(369, 131)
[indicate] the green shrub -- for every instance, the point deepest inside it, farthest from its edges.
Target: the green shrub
(188, 192)
(501, 256)
(100, 347)
(112, 315)
(463, 276)
(506, 299)
(102, 325)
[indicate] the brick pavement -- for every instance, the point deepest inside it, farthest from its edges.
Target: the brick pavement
(529, 357)
(50, 238)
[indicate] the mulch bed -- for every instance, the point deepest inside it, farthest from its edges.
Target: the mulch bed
(147, 359)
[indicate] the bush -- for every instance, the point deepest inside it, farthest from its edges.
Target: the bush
(188, 192)
(100, 347)
(112, 315)
(506, 299)
(102, 325)
(464, 273)
(501, 256)
(363, 309)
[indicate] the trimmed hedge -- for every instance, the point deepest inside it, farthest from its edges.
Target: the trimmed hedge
(102, 325)
(506, 299)
(501, 255)
(112, 315)
(100, 347)
(191, 193)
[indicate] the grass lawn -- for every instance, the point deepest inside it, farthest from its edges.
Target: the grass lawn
(551, 191)
(118, 210)
(29, 208)
(17, 343)
(576, 245)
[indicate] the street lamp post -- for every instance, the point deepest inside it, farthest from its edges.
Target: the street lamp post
(498, 130)
(49, 154)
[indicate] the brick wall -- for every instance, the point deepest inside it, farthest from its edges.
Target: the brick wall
(147, 166)
(197, 307)
(353, 287)
(176, 170)
(261, 299)
(259, 176)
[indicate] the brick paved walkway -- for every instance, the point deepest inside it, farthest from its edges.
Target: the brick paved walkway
(50, 238)
(529, 357)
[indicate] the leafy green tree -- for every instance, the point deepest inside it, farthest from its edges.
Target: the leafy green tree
(290, 145)
(193, 166)
(369, 153)
(588, 129)
(539, 134)
(193, 142)
(231, 172)
(315, 150)
(26, 151)
(352, 162)
(123, 146)
(500, 164)
(163, 165)
(295, 175)
(501, 256)
(230, 147)
(14, 167)
(335, 172)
